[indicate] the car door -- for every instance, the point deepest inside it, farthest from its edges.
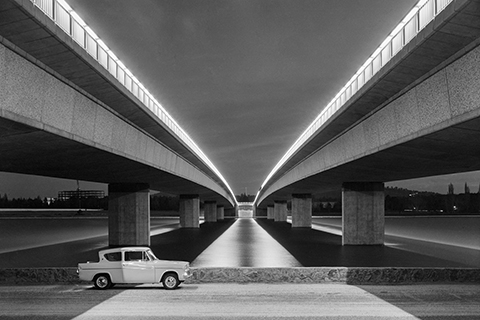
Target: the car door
(137, 267)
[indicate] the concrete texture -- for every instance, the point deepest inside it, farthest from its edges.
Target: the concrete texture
(55, 59)
(189, 211)
(62, 115)
(354, 276)
(242, 301)
(270, 213)
(51, 84)
(220, 212)
(363, 213)
(402, 139)
(210, 211)
(399, 124)
(301, 210)
(280, 211)
(129, 215)
(245, 244)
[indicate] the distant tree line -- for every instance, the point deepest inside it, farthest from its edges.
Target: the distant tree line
(45, 203)
(403, 200)
(397, 201)
(400, 201)
(157, 202)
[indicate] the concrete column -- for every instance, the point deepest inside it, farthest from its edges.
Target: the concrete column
(363, 213)
(280, 211)
(189, 211)
(301, 210)
(220, 212)
(210, 208)
(270, 214)
(128, 214)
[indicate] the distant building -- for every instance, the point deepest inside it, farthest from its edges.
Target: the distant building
(81, 194)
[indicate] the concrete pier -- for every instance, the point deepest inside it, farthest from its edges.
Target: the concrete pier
(301, 210)
(220, 212)
(280, 211)
(210, 208)
(190, 211)
(129, 214)
(363, 212)
(270, 213)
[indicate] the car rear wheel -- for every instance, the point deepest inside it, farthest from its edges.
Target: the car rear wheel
(170, 281)
(102, 281)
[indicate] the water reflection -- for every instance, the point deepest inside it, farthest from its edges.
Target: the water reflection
(245, 244)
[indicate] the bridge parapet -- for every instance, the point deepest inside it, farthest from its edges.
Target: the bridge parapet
(74, 26)
(433, 35)
(413, 23)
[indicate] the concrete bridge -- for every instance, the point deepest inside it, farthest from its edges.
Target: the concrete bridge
(70, 109)
(411, 111)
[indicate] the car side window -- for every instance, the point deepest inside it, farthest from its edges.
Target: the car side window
(136, 256)
(113, 256)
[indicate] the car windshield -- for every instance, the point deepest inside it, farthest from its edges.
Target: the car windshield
(151, 255)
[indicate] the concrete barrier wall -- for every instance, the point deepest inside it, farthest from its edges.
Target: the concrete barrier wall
(34, 95)
(353, 276)
(446, 98)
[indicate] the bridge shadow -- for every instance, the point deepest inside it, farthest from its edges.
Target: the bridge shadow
(186, 244)
(313, 248)
(178, 244)
(63, 255)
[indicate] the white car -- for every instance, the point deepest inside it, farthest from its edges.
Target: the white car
(133, 265)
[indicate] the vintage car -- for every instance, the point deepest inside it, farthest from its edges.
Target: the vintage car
(133, 265)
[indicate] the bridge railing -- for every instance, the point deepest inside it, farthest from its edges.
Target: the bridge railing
(70, 22)
(423, 12)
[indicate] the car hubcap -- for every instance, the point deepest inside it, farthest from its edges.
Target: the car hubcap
(170, 282)
(102, 282)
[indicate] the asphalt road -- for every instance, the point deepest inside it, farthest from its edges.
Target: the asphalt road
(242, 301)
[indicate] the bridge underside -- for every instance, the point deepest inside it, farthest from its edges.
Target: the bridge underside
(30, 150)
(452, 150)
(25, 30)
(417, 117)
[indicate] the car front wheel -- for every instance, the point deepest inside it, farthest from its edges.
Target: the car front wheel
(170, 281)
(102, 282)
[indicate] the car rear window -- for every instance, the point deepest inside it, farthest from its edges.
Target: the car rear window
(113, 256)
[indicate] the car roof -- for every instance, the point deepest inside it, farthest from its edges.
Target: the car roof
(120, 249)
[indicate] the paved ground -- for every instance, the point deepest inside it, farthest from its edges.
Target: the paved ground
(245, 244)
(248, 301)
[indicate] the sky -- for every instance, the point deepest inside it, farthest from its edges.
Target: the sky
(244, 78)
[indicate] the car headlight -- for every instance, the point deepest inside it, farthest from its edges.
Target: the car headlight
(187, 271)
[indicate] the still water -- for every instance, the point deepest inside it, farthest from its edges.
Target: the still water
(65, 242)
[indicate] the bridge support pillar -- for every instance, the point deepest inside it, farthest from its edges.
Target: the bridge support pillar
(128, 214)
(210, 211)
(363, 213)
(301, 210)
(189, 211)
(220, 212)
(280, 211)
(270, 213)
